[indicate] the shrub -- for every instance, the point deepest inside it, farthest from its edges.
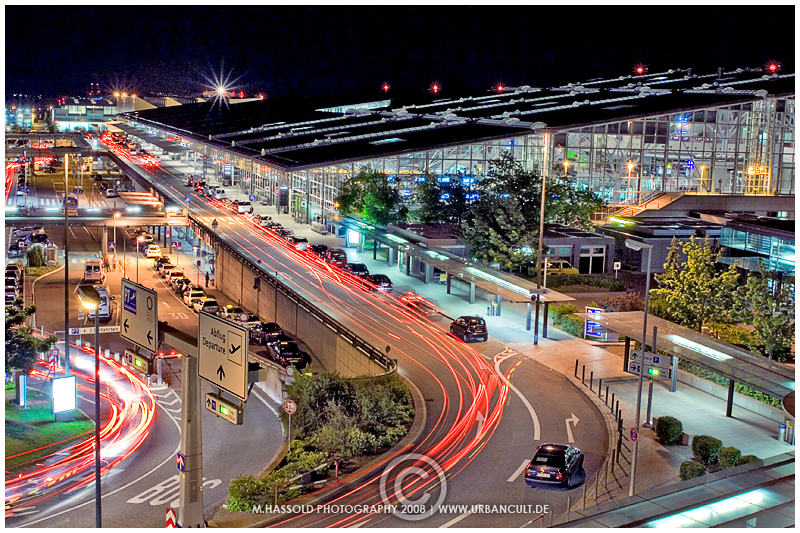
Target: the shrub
(728, 456)
(245, 492)
(706, 448)
(35, 255)
(669, 430)
(602, 282)
(558, 312)
(691, 470)
(743, 460)
(622, 303)
(574, 325)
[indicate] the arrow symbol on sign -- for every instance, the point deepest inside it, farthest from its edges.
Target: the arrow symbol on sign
(125, 324)
(150, 337)
(574, 420)
(234, 349)
(221, 373)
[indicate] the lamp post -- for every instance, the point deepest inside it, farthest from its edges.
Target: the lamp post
(90, 300)
(631, 166)
(116, 216)
(541, 241)
(638, 245)
(139, 240)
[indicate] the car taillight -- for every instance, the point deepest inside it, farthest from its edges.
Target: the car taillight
(559, 476)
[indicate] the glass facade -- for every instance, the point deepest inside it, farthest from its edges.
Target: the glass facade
(742, 149)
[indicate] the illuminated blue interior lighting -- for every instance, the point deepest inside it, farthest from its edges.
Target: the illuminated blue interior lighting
(502, 283)
(699, 348)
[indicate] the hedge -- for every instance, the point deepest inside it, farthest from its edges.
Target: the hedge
(728, 457)
(558, 312)
(706, 449)
(691, 470)
(743, 460)
(669, 430)
(560, 280)
(574, 325)
(720, 380)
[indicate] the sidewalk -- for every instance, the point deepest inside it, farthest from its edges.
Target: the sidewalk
(699, 412)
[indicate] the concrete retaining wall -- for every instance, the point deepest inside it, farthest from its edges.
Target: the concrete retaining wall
(333, 351)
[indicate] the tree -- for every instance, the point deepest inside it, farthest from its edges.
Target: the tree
(767, 303)
(503, 223)
(21, 345)
(371, 197)
(35, 255)
(691, 293)
(441, 202)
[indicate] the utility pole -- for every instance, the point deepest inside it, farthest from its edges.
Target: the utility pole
(541, 241)
(66, 265)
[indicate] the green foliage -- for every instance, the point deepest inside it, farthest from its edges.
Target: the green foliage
(768, 304)
(745, 459)
(503, 223)
(557, 281)
(691, 470)
(558, 312)
(573, 325)
(669, 430)
(622, 303)
(21, 345)
(39, 271)
(245, 492)
(35, 255)
(728, 457)
(435, 209)
(706, 448)
(720, 380)
(731, 333)
(693, 292)
(371, 197)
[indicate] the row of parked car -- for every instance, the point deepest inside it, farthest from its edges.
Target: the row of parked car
(14, 281)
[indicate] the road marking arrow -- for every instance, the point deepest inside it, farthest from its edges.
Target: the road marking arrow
(221, 373)
(574, 420)
(125, 324)
(480, 418)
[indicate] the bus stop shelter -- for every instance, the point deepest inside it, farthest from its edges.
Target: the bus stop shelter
(737, 365)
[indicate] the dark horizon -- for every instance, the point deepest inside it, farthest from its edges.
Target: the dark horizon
(303, 50)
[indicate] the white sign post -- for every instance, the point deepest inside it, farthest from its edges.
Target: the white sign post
(139, 315)
(222, 354)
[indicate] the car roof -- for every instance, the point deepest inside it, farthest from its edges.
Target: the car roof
(549, 448)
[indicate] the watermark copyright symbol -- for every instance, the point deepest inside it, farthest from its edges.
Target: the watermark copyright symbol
(416, 470)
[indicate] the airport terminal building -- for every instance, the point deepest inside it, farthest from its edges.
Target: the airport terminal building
(719, 142)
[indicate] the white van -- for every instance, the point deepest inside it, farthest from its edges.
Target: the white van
(105, 305)
(93, 270)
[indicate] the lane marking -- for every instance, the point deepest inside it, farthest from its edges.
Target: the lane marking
(519, 471)
(456, 520)
(537, 432)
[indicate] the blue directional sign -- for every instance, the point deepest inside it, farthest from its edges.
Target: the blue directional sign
(252, 197)
(187, 199)
(181, 462)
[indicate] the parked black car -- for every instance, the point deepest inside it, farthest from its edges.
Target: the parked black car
(318, 249)
(265, 332)
(554, 464)
(287, 353)
(381, 282)
(356, 269)
(469, 328)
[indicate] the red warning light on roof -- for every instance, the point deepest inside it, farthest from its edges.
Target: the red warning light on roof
(435, 87)
(500, 88)
(385, 87)
(773, 67)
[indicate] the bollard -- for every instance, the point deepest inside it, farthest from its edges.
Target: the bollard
(116, 357)
(606, 395)
(600, 389)
(591, 380)
(583, 374)
(781, 432)
(576, 368)
(617, 409)
(612, 403)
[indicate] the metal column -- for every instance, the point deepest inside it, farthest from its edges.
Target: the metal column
(729, 407)
(191, 495)
(674, 386)
(449, 280)
(428, 273)
(528, 318)
(499, 301)
(472, 293)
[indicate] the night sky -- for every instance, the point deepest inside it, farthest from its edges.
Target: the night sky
(58, 51)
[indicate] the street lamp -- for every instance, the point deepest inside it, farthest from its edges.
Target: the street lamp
(90, 300)
(639, 246)
(116, 216)
(139, 240)
(631, 166)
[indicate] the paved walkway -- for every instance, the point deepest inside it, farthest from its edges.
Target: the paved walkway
(699, 412)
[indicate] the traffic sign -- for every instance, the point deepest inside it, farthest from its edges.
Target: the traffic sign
(187, 199)
(112, 245)
(634, 435)
(139, 315)
(181, 462)
(172, 519)
(222, 354)
(252, 197)
(224, 409)
(290, 407)
(651, 359)
(139, 362)
(650, 371)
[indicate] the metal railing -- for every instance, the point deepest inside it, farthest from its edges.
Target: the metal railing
(370, 351)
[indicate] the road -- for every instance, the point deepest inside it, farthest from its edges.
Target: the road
(136, 493)
(478, 429)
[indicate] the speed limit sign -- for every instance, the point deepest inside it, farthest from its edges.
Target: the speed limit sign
(289, 406)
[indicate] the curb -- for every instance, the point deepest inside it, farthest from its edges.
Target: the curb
(242, 519)
(33, 287)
